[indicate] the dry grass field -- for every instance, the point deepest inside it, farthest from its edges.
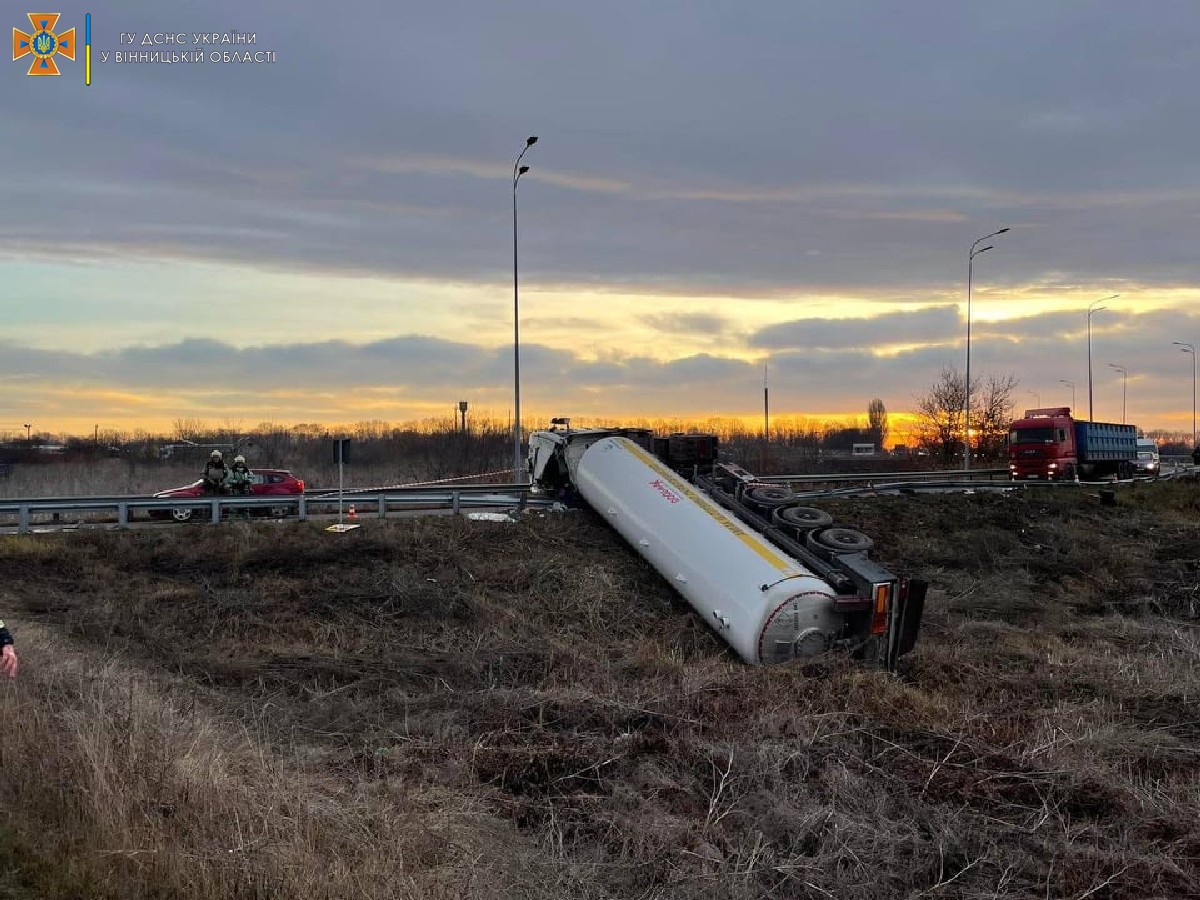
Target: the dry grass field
(447, 708)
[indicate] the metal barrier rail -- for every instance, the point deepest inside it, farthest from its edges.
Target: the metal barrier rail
(377, 504)
(308, 492)
(950, 474)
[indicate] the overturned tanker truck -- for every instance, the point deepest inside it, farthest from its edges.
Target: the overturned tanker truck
(778, 581)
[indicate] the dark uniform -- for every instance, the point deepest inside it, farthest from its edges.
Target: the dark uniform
(239, 484)
(215, 474)
(8, 653)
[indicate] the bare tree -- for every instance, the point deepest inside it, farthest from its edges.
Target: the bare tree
(188, 429)
(993, 414)
(939, 413)
(877, 418)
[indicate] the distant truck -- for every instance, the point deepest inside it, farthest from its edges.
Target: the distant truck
(1148, 461)
(1051, 445)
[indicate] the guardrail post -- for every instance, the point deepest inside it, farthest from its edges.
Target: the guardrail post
(302, 509)
(122, 515)
(216, 511)
(23, 519)
(454, 500)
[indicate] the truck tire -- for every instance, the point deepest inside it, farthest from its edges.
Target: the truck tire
(1069, 474)
(843, 540)
(798, 521)
(767, 498)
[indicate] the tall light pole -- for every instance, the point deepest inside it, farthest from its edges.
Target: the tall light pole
(1187, 348)
(518, 171)
(1072, 385)
(1092, 308)
(1037, 398)
(1124, 383)
(28, 437)
(967, 411)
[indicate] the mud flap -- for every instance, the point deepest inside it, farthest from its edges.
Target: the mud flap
(907, 612)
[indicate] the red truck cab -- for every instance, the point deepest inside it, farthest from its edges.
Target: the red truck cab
(1041, 446)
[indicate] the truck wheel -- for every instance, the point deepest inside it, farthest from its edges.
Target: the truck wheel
(844, 540)
(767, 498)
(1069, 473)
(802, 518)
(182, 515)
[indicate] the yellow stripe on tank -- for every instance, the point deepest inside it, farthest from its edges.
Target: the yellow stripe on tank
(750, 539)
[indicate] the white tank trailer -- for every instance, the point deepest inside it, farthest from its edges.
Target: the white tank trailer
(775, 579)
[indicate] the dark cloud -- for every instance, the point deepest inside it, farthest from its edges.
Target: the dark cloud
(705, 146)
(923, 326)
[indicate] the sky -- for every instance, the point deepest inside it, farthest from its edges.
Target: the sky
(720, 192)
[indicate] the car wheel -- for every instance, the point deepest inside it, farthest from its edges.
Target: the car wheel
(182, 515)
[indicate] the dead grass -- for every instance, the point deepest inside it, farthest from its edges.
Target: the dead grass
(439, 706)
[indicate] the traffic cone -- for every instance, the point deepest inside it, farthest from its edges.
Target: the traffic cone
(351, 514)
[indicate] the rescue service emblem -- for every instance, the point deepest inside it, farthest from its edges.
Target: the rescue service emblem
(44, 44)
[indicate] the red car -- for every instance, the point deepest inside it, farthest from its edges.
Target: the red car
(263, 482)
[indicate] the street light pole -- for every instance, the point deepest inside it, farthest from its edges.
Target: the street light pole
(1092, 308)
(1072, 385)
(1124, 381)
(518, 171)
(1037, 398)
(28, 437)
(1187, 348)
(967, 410)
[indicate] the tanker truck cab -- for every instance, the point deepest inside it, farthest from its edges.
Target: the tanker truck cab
(1041, 446)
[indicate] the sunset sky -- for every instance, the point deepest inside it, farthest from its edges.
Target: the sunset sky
(717, 186)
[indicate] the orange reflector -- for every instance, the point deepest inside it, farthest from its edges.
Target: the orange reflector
(879, 619)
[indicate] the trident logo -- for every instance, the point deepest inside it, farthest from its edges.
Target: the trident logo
(44, 44)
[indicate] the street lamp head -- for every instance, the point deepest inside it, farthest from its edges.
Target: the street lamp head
(522, 170)
(531, 140)
(1002, 231)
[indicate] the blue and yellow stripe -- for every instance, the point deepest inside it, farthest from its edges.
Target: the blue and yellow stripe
(87, 48)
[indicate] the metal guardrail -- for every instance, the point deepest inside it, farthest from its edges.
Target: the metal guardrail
(309, 492)
(375, 504)
(942, 474)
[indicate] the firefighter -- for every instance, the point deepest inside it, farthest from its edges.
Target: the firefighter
(215, 474)
(239, 483)
(8, 653)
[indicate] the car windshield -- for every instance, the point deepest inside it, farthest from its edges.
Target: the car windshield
(1031, 436)
(1145, 454)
